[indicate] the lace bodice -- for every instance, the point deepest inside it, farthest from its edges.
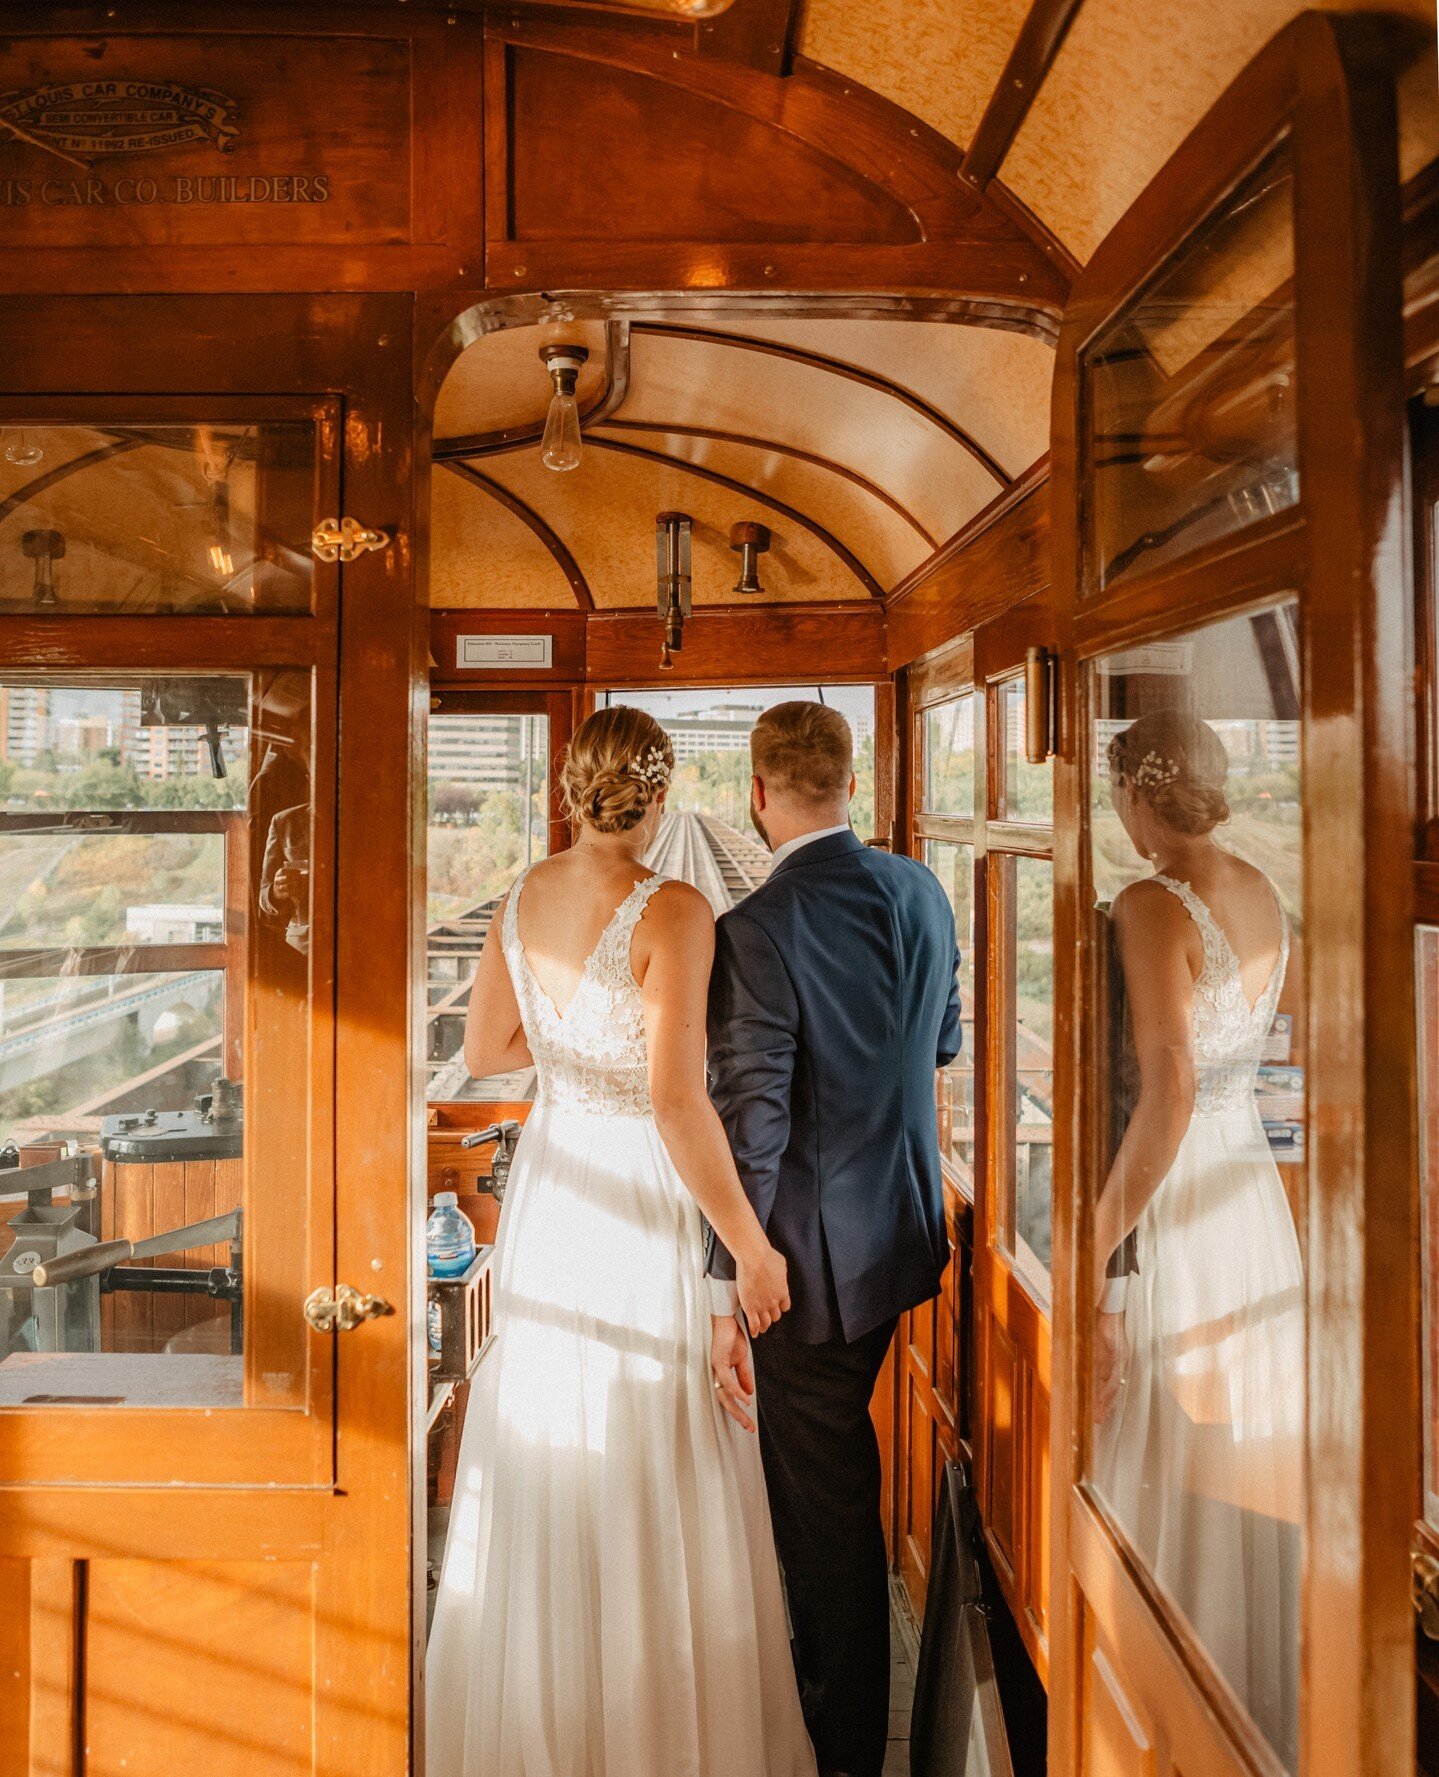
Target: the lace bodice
(1229, 1033)
(592, 1057)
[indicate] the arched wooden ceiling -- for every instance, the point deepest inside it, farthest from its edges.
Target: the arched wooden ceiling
(1102, 91)
(847, 438)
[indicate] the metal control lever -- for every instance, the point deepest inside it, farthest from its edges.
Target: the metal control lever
(89, 1261)
(504, 1135)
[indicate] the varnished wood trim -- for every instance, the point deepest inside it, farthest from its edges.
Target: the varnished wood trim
(1045, 27)
(682, 430)
(868, 379)
(546, 533)
(1017, 490)
(757, 33)
(792, 513)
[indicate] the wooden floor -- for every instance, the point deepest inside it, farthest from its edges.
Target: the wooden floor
(903, 1654)
(903, 1660)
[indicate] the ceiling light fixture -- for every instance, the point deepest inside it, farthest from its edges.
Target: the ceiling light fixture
(672, 580)
(750, 541)
(561, 447)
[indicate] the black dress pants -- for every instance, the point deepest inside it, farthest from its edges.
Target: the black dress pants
(821, 1465)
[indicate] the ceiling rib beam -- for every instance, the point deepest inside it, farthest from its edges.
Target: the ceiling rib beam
(1045, 27)
(681, 429)
(792, 513)
(43, 483)
(869, 379)
(546, 533)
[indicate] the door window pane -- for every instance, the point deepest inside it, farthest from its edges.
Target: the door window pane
(1427, 1008)
(140, 517)
(1189, 392)
(156, 842)
(489, 801)
(1026, 791)
(1195, 766)
(949, 757)
(954, 866)
(1029, 975)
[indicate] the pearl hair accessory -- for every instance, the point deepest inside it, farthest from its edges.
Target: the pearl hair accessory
(1154, 771)
(651, 767)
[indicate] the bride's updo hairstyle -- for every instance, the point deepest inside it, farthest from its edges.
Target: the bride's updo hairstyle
(1178, 765)
(617, 762)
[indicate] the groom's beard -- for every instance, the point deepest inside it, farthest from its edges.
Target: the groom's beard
(759, 825)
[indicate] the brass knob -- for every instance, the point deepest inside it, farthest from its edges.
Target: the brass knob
(343, 1309)
(1424, 1591)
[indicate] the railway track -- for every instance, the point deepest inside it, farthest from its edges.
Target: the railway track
(721, 863)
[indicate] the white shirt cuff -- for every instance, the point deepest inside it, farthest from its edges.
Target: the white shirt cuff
(1116, 1294)
(724, 1296)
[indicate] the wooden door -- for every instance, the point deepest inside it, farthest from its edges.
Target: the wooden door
(1230, 1579)
(205, 1527)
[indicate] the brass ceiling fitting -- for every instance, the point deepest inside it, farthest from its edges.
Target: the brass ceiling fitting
(750, 541)
(673, 591)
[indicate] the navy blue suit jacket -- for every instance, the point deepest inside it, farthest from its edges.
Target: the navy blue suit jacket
(834, 997)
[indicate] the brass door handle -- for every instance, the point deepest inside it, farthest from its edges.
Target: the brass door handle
(342, 539)
(342, 1309)
(1424, 1591)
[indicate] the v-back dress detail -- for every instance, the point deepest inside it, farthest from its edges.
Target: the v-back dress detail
(609, 1603)
(1200, 1459)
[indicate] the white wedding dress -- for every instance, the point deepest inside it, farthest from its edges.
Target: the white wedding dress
(610, 1602)
(1201, 1458)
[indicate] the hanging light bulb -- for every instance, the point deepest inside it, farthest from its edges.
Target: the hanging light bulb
(22, 451)
(561, 447)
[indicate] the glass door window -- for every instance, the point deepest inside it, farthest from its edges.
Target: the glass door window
(1198, 1052)
(142, 515)
(950, 772)
(157, 1061)
(1019, 841)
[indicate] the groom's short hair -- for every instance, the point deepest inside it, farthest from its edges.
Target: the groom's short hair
(805, 750)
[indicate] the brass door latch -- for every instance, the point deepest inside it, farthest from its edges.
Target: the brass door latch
(342, 1309)
(342, 539)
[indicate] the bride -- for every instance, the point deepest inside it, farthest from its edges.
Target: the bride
(1200, 1454)
(610, 1603)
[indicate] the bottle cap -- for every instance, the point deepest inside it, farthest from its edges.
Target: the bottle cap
(446, 1200)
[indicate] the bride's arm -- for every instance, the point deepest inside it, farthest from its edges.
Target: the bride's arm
(494, 1034)
(1153, 931)
(675, 952)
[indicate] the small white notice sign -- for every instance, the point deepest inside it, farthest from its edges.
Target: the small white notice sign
(536, 651)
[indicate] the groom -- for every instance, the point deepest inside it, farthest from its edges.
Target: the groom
(833, 1000)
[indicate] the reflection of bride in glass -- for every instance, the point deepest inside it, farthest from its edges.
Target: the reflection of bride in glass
(1199, 1451)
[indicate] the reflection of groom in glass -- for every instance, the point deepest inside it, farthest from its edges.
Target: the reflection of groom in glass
(284, 777)
(833, 999)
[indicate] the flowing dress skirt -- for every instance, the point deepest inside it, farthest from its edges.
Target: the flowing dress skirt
(610, 1602)
(1201, 1458)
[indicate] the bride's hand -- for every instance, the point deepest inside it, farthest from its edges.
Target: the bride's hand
(763, 1280)
(733, 1370)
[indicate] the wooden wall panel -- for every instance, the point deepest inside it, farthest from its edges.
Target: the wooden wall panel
(1001, 557)
(1003, 1475)
(661, 164)
(198, 1665)
(844, 643)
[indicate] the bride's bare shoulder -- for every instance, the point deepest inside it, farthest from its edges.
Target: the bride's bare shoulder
(677, 908)
(1148, 906)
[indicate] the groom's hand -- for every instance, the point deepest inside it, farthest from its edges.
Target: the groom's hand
(733, 1371)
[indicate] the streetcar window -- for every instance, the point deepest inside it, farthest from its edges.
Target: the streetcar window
(710, 732)
(488, 808)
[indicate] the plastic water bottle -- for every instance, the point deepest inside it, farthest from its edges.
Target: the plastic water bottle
(449, 1238)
